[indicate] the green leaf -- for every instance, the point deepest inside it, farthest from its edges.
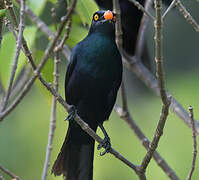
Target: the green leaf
(86, 9)
(7, 54)
(2, 12)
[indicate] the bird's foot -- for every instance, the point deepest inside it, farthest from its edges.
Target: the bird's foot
(72, 112)
(106, 143)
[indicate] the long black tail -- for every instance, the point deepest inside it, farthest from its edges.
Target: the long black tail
(75, 160)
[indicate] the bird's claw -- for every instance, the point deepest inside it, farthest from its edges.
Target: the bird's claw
(106, 143)
(72, 113)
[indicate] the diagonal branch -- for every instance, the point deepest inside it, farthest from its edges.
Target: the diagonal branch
(173, 3)
(142, 29)
(52, 118)
(9, 173)
(18, 48)
(194, 144)
(141, 8)
(161, 85)
(187, 15)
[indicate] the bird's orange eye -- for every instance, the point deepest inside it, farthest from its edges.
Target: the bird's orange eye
(96, 17)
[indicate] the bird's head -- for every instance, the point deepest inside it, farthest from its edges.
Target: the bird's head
(104, 22)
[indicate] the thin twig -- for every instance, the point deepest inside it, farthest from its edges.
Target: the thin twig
(194, 143)
(9, 173)
(119, 41)
(142, 29)
(45, 29)
(60, 46)
(118, 32)
(1, 22)
(173, 3)
(40, 66)
(2, 90)
(187, 15)
(141, 8)
(9, 6)
(145, 142)
(1, 29)
(52, 118)
(18, 48)
(161, 84)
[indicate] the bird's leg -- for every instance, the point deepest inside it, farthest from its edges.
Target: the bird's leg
(106, 143)
(72, 112)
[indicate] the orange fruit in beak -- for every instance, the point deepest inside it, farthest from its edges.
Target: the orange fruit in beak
(108, 15)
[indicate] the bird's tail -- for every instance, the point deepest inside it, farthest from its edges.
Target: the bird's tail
(75, 160)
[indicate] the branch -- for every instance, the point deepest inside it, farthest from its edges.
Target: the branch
(194, 144)
(1, 22)
(52, 118)
(187, 15)
(145, 142)
(173, 3)
(18, 48)
(141, 8)
(142, 29)
(161, 85)
(9, 173)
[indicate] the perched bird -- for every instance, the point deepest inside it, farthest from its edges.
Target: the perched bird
(92, 81)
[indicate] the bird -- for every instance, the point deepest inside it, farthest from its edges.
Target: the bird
(92, 81)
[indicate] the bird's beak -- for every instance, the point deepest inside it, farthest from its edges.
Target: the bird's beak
(108, 15)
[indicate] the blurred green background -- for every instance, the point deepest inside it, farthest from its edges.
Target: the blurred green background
(24, 132)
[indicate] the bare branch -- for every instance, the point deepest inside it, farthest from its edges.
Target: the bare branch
(52, 118)
(61, 44)
(9, 6)
(161, 85)
(2, 90)
(1, 22)
(194, 144)
(142, 29)
(1, 27)
(145, 142)
(173, 3)
(187, 15)
(118, 33)
(141, 8)
(18, 48)
(9, 173)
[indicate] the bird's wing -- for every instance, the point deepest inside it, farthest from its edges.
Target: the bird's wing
(71, 65)
(112, 98)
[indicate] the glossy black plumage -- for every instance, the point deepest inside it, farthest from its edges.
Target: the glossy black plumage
(92, 80)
